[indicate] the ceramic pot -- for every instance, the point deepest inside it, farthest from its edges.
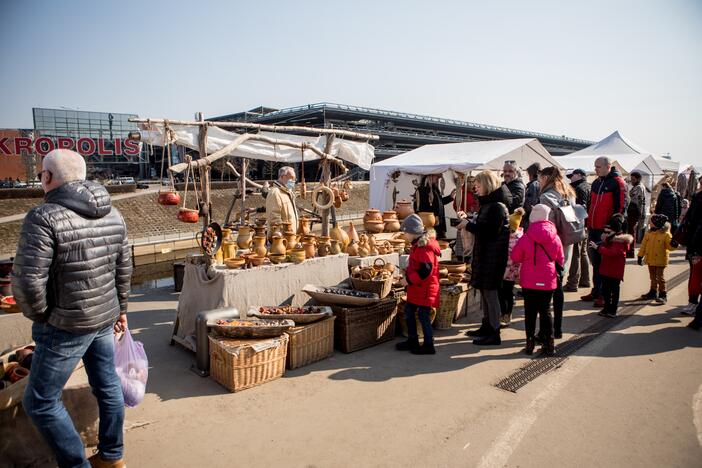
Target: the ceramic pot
(363, 251)
(428, 219)
(352, 233)
(352, 249)
(323, 246)
(374, 227)
(287, 227)
(17, 373)
(454, 267)
(372, 215)
(259, 246)
(260, 231)
(297, 255)
(244, 237)
(388, 215)
(335, 248)
(310, 249)
(187, 215)
(277, 258)
(228, 249)
(279, 246)
(275, 230)
(226, 232)
(443, 244)
(403, 208)
(292, 239)
(303, 227)
(392, 225)
(258, 260)
(341, 237)
(168, 198)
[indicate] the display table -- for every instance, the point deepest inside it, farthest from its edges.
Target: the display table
(445, 257)
(362, 262)
(242, 289)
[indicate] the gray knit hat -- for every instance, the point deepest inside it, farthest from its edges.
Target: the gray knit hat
(413, 225)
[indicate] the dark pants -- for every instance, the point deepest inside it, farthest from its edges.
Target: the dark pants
(558, 300)
(506, 296)
(537, 302)
(693, 298)
(411, 313)
(595, 236)
(632, 223)
(610, 291)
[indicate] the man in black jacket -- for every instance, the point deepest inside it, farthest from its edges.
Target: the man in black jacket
(513, 180)
(71, 277)
(579, 273)
(668, 203)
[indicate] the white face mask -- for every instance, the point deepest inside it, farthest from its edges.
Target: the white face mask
(290, 184)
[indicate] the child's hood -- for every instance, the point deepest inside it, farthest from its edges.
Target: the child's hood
(542, 231)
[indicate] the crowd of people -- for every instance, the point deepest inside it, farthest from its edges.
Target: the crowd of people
(554, 229)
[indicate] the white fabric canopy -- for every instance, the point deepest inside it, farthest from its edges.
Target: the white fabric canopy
(625, 163)
(615, 143)
(457, 157)
(358, 153)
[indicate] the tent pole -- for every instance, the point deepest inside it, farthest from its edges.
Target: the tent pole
(242, 180)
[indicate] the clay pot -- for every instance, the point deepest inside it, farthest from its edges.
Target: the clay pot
(352, 233)
(228, 249)
(443, 244)
(428, 219)
(279, 246)
(258, 260)
(392, 225)
(455, 278)
(363, 250)
(244, 237)
(374, 227)
(323, 246)
(344, 195)
(187, 215)
(277, 258)
(287, 227)
(443, 272)
(352, 249)
(260, 231)
(453, 267)
(335, 247)
(310, 249)
(341, 237)
(398, 245)
(372, 215)
(292, 239)
(226, 232)
(275, 230)
(17, 373)
(403, 209)
(297, 255)
(388, 215)
(303, 227)
(259, 246)
(168, 198)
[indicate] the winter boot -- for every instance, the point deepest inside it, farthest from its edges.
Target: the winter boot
(549, 347)
(492, 339)
(505, 320)
(662, 297)
(529, 348)
(482, 331)
(649, 295)
(426, 348)
(409, 345)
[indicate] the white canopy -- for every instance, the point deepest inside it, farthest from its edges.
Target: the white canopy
(615, 143)
(668, 165)
(358, 153)
(625, 163)
(457, 157)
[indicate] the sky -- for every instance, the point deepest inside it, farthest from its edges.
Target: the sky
(576, 68)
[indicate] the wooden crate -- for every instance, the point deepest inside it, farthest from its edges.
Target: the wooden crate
(361, 327)
(236, 365)
(310, 343)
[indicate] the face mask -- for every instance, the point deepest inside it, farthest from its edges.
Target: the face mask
(290, 184)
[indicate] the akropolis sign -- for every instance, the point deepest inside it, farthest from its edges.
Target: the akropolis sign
(84, 146)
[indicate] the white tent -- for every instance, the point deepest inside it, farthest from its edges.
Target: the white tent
(393, 177)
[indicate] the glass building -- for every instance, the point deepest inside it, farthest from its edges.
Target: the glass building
(100, 136)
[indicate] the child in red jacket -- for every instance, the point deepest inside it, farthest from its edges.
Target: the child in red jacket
(613, 249)
(422, 277)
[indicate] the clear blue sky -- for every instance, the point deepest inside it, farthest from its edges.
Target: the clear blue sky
(581, 69)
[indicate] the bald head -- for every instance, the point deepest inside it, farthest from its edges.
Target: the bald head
(61, 166)
(602, 166)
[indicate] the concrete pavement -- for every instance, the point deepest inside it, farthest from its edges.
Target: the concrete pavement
(630, 398)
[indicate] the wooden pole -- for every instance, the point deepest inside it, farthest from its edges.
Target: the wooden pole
(204, 172)
(272, 128)
(244, 162)
(326, 178)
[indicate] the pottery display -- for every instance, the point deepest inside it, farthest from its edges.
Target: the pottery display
(297, 255)
(403, 208)
(392, 225)
(234, 263)
(352, 233)
(187, 215)
(352, 249)
(453, 267)
(341, 237)
(372, 215)
(168, 198)
(277, 258)
(292, 239)
(259, 246)
(244, 237)
(303, 227)
(374, 227)
(310, 248)
(279, 246)
(335, 248)
(323, 246)
(428, 218)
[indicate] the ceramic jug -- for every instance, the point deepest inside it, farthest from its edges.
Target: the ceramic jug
(259, 246)
(310, 249)
(228, 249)
(303, 228)
(292, 239)
(279, 245)
(335, 247)
(352, 233)
(352, 249)
(243, 239)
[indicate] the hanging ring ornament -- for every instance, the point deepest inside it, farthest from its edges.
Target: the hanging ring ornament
(328, 192)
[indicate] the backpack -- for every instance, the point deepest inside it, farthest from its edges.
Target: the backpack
(570, 222)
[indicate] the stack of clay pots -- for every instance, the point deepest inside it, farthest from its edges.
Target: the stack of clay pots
(403, 208)
(373, 221)
(392, 223)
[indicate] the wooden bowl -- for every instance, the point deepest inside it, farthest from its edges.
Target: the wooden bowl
(453, 267)
(235, 263)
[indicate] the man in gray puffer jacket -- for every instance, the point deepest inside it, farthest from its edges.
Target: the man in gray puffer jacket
(71, 277)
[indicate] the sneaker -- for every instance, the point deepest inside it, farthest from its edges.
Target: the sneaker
(569, 288)
(662, 298)
(587, 297)
(492, 339)
(689, 309)
(649, 295)
(505, 320)
(426, 348)
(609, 315)
(599, 302)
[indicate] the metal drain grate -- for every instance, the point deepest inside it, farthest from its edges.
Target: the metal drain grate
(543, 364)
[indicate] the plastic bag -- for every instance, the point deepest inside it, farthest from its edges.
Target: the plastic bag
(132, 368)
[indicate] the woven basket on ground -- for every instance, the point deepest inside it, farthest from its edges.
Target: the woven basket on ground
(452, 301)
(361, 327)
(236, 365)
(310, 343)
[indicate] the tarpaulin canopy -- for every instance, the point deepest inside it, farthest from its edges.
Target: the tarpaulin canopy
(457, 157)
(625, 163)
(358, 153)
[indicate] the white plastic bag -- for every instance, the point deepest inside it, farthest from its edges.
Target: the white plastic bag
(132, 368)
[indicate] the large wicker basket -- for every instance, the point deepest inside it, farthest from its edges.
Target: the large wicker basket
(310, 343)
(380, 287)
(361, 327)
(236, 365)
(453, 300)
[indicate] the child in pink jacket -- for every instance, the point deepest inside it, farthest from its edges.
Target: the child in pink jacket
(540, 253)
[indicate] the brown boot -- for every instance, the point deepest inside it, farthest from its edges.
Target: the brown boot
(96, 461)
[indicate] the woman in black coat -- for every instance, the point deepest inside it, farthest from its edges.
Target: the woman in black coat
(430, 199)
(491, 230)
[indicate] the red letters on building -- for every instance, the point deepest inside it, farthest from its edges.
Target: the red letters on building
(3, 147)
(101, 148)
(43, 145)
(81, 147)
(23, 143)
(65, 143)
(131, 147)
(85, 146)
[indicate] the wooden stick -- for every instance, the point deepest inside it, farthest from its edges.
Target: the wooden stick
(178, 168)
(244, 162)
(326, 176)
(272, 128)
(236, 174)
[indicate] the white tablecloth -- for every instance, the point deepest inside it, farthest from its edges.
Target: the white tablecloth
(266, 285)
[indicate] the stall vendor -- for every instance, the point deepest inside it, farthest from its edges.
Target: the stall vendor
(430, 199)
(280, 202)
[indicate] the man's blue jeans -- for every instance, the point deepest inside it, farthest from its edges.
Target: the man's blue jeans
(56, 355)
(410, 317)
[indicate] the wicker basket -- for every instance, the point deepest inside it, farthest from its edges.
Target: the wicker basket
(310, 343)
(381, 288)
(236, 365)
(361, 327)
(453, 300)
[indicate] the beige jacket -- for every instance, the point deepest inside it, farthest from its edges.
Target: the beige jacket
(280, 206)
